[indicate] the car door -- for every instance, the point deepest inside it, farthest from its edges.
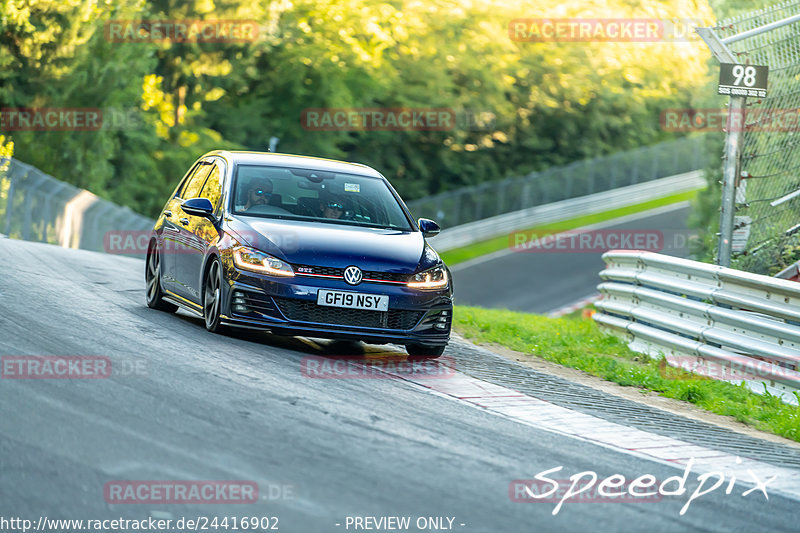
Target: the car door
(185, 249)
(171, 244)
(200, 233)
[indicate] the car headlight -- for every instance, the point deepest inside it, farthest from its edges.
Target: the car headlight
(250, 259)
(434, 278)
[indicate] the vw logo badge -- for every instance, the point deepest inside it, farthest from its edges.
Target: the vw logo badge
(352, 275)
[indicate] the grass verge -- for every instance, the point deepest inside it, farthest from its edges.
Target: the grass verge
(458, 255)
(579, 343)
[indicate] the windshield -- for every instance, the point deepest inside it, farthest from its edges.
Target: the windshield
(321, 196)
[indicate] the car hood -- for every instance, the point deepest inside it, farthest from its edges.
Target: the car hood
(334, 245)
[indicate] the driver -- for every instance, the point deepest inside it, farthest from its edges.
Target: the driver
(258, 193)
(331, 207)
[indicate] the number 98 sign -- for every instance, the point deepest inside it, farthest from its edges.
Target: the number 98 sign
(742, 80)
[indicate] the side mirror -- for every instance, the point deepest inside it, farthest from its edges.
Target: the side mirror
(428, 227)
(199, 207)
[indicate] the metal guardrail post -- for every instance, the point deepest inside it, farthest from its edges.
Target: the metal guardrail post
(38, 181)
(48, 209)
(733, 135)
(764, 147)
(10, 201)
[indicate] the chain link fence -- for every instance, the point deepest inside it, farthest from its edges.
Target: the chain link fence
(769, 165)
(561, 183)
(37, 207)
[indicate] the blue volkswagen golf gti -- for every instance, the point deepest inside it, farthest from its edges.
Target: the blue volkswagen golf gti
(299, 246)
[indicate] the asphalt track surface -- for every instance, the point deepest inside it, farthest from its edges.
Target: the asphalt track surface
(545, 280)
(213, 407)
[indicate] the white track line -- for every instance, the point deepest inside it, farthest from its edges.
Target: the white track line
(544, 415)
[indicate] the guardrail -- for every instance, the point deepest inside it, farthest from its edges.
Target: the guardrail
(719, 322)
(581, 178)
(523, 219)
(35, 206)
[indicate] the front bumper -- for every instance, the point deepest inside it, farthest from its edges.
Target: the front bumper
(287, 306)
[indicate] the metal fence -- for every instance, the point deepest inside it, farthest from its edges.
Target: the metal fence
(723, 323)
(37, 207)
(767, 199)
(561, 183)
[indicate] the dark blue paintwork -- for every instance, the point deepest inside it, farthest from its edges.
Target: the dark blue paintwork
(190, 240)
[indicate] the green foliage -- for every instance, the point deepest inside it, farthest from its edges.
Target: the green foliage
(552, 103)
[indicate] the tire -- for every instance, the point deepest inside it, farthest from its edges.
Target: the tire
(424, 351)
(212, 298)
(152, 279)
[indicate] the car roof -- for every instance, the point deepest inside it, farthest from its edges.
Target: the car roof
(296, 161)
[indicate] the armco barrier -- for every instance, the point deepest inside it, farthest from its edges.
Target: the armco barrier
(37, 207)
(488, 228)
(555, 184)
(721, 322)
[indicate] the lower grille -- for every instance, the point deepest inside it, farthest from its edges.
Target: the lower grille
(246, 302)
(306, 311)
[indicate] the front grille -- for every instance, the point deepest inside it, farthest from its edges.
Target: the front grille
(308, 311)
(385, 276)
(318, 270)
(339, 272)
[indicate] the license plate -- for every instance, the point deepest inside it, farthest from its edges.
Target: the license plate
(353, 300)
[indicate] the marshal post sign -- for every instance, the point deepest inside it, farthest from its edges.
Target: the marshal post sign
(742, 80)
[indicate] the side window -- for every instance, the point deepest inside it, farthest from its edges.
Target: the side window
(195, 183)
(213, 187)
(188, 177)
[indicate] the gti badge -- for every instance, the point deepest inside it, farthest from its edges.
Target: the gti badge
(352, 275)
